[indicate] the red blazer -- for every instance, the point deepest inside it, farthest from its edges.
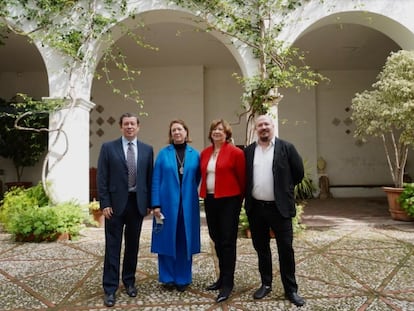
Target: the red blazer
(230, 171)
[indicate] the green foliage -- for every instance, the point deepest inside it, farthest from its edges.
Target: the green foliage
(253, 24)
(28, 215)
(17, 200)
(296, 221)
(305, 189)
(23, 147)
(71, 28)
(297, 224)
(94, 205)
(302, 192)
(243, 220)
(406, 199)
(387, 111)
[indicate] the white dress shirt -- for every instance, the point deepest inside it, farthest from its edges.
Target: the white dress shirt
(263, 173)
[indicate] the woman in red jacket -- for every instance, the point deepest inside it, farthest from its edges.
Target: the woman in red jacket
(222, 187)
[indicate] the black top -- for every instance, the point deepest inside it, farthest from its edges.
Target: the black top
(180, 157)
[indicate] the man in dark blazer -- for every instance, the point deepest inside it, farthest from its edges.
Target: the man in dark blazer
(273, 168)
(125, 198)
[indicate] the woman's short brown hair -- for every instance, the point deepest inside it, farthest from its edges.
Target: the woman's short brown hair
(170, 138)
(227, 129)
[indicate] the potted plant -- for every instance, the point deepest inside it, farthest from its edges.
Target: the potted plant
(96, 212)
(406, 199)
(387, 112)
(24, 147)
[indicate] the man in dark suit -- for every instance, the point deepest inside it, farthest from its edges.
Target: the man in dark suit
(273, 168)
(124, 184)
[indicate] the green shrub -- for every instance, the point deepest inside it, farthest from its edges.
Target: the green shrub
(406, 198)
(17, 200)
(243, 220)
(296, 221)
(298, 227)
(28, 215)
(305, 189)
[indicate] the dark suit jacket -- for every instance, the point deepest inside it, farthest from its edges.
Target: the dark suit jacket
(112, 176)
(287, 172)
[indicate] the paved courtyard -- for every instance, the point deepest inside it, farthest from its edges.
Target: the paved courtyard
(348, 261)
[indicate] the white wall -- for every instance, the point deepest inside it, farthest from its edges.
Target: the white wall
(223, 100)
(317, 123)
(298, 123)
(190, 93)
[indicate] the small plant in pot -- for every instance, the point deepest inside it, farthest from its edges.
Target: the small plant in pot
(387, 112)
(406, 199)
(96, 212)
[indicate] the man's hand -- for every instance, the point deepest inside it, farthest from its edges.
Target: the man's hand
(108, 212)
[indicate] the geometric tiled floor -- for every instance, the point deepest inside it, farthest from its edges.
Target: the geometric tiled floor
(350, 267)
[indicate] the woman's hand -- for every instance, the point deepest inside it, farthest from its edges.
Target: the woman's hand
(157, 212)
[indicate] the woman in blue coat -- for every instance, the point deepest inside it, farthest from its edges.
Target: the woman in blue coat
(175, 203)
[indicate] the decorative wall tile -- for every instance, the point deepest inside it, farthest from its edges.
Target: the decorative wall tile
(100, 121)
(348, 121)
(111, 120)
(100, 108)
(336, 121)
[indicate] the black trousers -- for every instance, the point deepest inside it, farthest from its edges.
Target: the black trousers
(222, 216)
(262, 217)
(128, 224)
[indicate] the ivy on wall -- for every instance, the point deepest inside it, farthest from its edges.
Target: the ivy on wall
(257, 25)
(72, 29)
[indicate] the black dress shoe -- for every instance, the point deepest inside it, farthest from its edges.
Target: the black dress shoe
(131, 291)
(215, 286)
(295, 299)
(224, 294)
(109, 300)
(168, 286)
(181, 288)
(263, 291)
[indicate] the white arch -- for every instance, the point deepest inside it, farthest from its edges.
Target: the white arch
(153, 12)
(387, 17)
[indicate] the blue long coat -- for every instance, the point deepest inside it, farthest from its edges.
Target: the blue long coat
(166, 194)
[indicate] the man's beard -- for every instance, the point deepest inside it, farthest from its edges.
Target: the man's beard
(264, 139)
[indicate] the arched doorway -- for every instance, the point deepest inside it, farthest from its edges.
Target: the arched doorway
(189, 77)
(350, 55)
(22, 70)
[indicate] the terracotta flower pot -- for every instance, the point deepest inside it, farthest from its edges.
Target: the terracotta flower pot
(397, 213)
(98, 217)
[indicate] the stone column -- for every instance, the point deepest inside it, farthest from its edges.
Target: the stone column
(68, 165)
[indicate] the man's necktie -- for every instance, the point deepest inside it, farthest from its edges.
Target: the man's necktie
(132, 168)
